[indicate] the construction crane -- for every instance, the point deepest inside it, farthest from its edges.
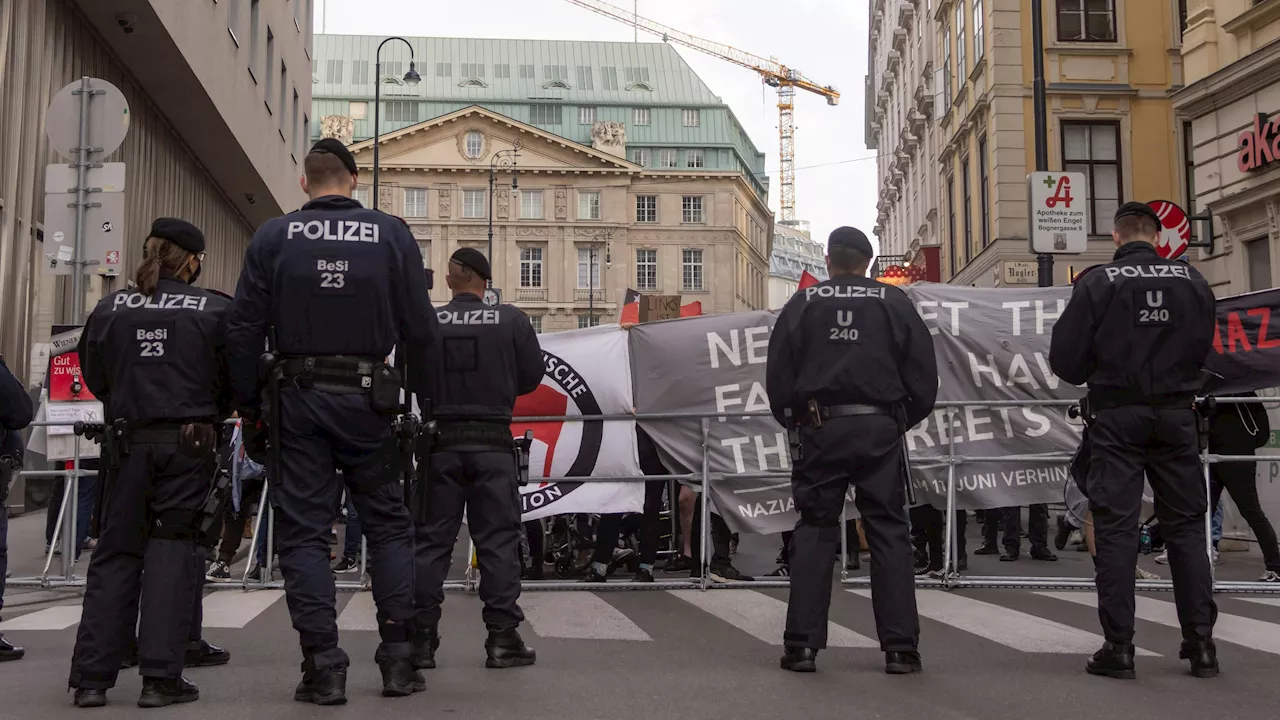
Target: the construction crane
(772, 72)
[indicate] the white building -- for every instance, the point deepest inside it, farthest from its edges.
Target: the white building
(793, 253)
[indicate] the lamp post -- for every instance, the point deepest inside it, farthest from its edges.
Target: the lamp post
(502, 159)
(591, 275)
(411, 78)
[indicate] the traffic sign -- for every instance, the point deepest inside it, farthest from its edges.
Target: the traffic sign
(108, 177)
(108, 119)
(103, 233)
(1175, 229)
(1058, 212)
(492, 297)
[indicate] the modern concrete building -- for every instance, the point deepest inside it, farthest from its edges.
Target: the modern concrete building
(794, 253)
(219, 100)
(627, 158)
(1229, 116)
(1110, 67)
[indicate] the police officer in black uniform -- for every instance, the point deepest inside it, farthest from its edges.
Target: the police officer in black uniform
(154, 356)
(851, 367)
(339, 286)
(487, 356)
(1138, 331)
(16, 412)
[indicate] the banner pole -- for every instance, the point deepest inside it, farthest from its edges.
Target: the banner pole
(705, 531)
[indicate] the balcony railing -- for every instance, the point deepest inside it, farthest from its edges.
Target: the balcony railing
(531, 294)
(588, 295)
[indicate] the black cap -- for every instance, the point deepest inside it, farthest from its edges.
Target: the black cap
(337, 149)
(180, 233)
(851, 238)
(474, 259)
(1137, 208)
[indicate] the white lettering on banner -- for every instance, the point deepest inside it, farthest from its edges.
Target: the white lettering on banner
(736, 444)
(835, 291)
(975, 482)
(562, 374)
(1019, 372)
(161, 301)
(338, 230)
(757, 398)
(1017, 307)
(954, 307)
(757, 350)
(777, 506)
(971, 426)
(779, 448)
(469, 317)
(1041, 315)
(1147, 271)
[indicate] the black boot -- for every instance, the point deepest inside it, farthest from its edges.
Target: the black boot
(962, 563)
(902, 662)
(797, 659)
(1114, 660)
(1203, 655)
(322, 686)
(425, 644)
(987, 549)
(90, 697)
(201, 653)
(9, 651)
(399, 677)
(505, 649)
(1063, 534)
(159, 692)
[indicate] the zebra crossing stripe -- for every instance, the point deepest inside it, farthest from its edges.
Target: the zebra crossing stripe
(235, 609)
(361, 613)
(578, 616)
(1247, 632)
(1011, 628)
(1273, 602)
(54, 618)
(763, 617)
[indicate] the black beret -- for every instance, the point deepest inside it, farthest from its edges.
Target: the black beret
(1137, 208)
(852, 239)
(474, 259)
(180, 233)
(337, 149)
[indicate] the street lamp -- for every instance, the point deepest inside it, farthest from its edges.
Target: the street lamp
(591, 274)
(411, 78)
(505, 159)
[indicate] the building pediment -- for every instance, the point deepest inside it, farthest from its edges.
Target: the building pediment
(471, 138)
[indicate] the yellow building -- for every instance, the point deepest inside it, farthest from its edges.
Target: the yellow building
(1109, 67)
(1230, 107)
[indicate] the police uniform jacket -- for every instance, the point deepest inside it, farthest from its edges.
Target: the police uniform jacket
(1136, 329)
(160, 357)
(16, 413)
(333, 278)
(485, 358)
(851, 340)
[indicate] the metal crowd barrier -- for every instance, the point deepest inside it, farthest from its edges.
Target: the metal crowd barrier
(64, 529)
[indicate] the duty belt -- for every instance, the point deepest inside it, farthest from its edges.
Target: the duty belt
(336, 374)
(838, 411)
(481, 435)
(159, 434)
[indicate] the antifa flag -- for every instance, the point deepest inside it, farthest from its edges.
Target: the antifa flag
(1246, 344)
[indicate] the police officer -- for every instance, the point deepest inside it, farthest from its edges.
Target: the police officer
(487, 356)
(338, 285)
(1138, 331)
(16, 413)
(153, 355)
(851, 367)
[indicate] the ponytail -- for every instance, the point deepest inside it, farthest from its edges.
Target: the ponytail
(158, 255)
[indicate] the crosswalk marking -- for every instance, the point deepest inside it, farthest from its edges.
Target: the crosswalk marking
(361, 613)
(1011, 628)
(578, 616)
(1273, 602)
(762, 617)
(235, 609)
(54, 618)
(1243, 631)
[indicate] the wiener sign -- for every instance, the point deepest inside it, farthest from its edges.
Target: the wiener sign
(1259, 146)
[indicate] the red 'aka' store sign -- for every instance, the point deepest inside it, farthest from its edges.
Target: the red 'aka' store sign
(1259, 146)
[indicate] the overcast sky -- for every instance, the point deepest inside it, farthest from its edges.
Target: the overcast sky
(824, 39)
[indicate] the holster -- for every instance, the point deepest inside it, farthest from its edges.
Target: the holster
(273, 373)
(211, 509)
(522, 448)
(8, 468)
(1205, 410)
(793, 436)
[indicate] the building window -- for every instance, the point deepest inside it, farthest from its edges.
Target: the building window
(586, 116)
(233, 23)
(946, 64)
(968, 212)
(393, 72)
(694, 159)
(444, 69)
(646, 208)
(642, 157)
(255, 27)
(588, 321)
(531, 204)
(1087, 20)
(503, 72)
(1182, 16)
(359, 72)
(358, 110)
(640, 116)
(473, 204)
(667, 158)
(636, 74)
(269, 70)
(1189, 173)
(293, 127)
(526, 72)
(588, 258)
(951, 226)
(692, 206)
(306, 127)
(402, 111)
(979, 33)
(692, 118)
(961, 68)
(609, 78)
(333, 68)
(588, 206)
(475, 144)
(361, 195)
(545, 114)
(691, 270)
(1094, 149)
(1257, 256)
(473, 70)
(536, 322)
(982, 191)
(415, 202)
(584, 78)
(646, 269)
(555, 72)
(284, 93)
(531, 267)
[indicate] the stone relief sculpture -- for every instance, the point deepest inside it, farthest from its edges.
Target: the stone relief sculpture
(384, 199)
(338, 127)
(444, 202)
(562, 207)
(502, 205)
(610, 137)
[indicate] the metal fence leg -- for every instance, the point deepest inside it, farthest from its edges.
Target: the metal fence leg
(704, 560)
(844, 542)
(70, 534)
(949, 542)
(267, 569)
(57, 530)
(1208, 515)
(364, 557)
(257, 526)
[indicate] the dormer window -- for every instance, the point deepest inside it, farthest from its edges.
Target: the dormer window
(474, 145)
